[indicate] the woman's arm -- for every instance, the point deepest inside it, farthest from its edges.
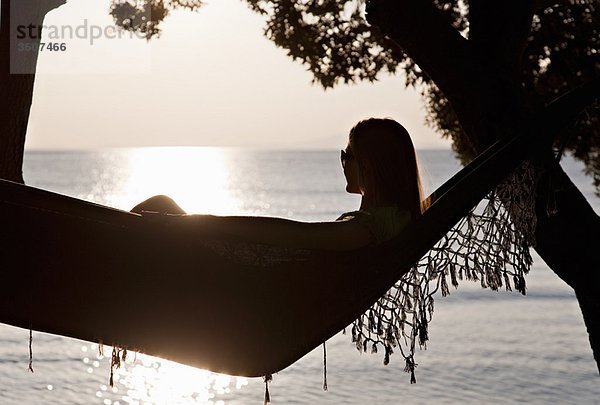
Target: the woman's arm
(333, 235)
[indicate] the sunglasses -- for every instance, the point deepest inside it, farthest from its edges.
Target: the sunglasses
(345, 156)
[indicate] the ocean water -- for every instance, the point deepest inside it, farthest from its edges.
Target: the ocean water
(485, 346)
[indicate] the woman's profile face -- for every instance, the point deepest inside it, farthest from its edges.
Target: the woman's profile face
(351, 173)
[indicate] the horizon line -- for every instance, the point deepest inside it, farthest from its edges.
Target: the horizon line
(261, 148)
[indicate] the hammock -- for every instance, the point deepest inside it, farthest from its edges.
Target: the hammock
(91, 272)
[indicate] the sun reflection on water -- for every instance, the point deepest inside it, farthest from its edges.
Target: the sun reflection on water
(155, 381)
(197, 178)
(143, 379)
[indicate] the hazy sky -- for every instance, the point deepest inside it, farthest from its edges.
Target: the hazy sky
(212, 78)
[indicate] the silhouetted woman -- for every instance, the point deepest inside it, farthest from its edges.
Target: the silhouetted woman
(379, 163)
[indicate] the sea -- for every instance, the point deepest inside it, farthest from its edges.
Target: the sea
(486, 347)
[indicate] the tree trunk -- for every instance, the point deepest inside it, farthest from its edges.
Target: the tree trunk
(568, 242)
(17, 74)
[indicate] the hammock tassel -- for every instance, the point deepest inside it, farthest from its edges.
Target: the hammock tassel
(115, 362)
(410, 368)
(30, 368)
(267, 378)
(324, 368)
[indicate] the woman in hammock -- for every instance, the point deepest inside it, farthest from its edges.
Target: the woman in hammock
(379, 163)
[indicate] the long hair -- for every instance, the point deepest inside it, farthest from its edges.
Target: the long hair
(387, 163)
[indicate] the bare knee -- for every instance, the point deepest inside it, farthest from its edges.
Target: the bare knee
(161, 199)
(158, 203)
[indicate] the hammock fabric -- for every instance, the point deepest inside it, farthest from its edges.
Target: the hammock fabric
(83, 270)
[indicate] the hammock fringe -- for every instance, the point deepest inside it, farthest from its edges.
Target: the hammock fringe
(490, 245)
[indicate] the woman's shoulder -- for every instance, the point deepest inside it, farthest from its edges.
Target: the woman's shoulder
(378, 212)
(383, 222)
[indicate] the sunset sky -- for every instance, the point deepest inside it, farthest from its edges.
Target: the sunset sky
(211, 79)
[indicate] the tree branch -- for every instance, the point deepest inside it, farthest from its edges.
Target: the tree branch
(498, 35)
(425, 33)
